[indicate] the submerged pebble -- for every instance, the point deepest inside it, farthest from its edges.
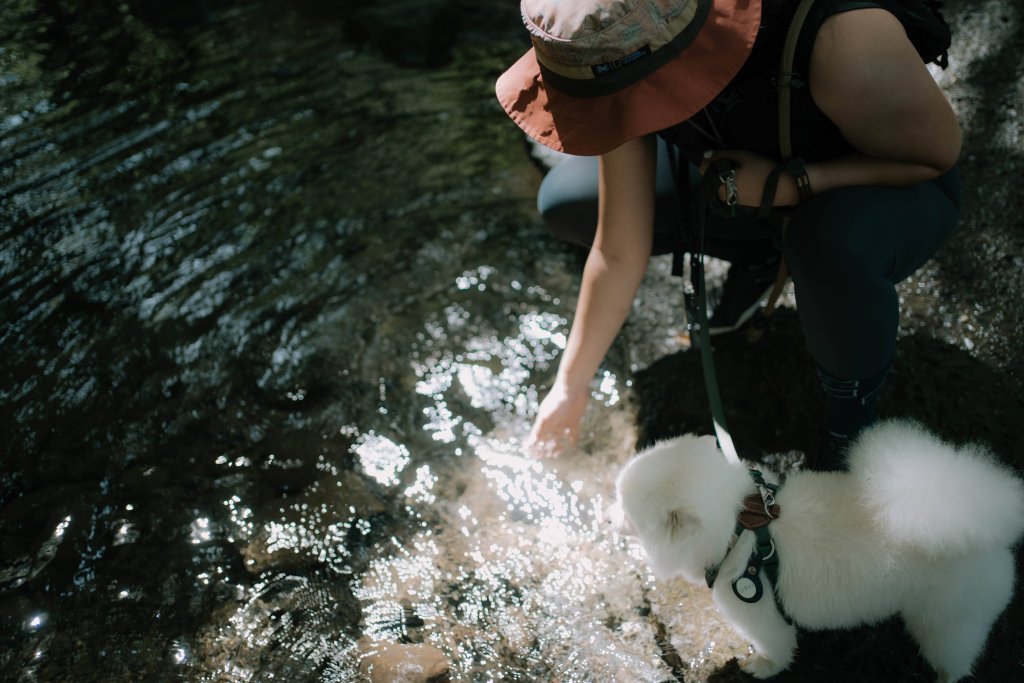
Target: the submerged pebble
(402, 663)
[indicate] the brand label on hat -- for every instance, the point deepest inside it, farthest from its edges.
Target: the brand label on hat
(608, 67)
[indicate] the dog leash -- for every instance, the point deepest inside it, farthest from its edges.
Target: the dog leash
(696, 297)
(722, 173)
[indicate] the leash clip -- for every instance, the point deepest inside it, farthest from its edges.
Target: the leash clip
(768, 497)
(732, 192)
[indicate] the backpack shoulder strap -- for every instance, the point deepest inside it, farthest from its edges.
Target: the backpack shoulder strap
(785, 83)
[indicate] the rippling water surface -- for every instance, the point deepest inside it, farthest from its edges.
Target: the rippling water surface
(276, 314)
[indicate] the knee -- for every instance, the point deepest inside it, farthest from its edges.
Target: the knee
(835, 248)
(574, 222)
(567, 202)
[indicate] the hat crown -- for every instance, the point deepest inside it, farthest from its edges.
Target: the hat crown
(595, 103)
(583, 33)
(567, 20)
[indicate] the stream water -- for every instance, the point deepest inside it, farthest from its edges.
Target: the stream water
(277, 311)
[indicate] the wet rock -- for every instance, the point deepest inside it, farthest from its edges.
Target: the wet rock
(15, 611)
(402, 663)
(35, 529)
(358, 495)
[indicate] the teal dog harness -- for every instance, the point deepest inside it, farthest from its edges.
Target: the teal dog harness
(759, 509)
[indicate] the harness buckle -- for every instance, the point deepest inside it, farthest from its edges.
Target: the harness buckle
(768, 550)
(732, 192)
(768, 497)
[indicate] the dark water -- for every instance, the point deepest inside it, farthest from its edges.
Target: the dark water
(228, 230)
(276, 306)
(275, 312)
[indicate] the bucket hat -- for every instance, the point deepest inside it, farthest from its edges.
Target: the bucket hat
(602, 72)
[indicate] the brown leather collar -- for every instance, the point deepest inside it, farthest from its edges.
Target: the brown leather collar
(755, 513)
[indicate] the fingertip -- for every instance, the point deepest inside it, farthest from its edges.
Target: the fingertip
(538, 449)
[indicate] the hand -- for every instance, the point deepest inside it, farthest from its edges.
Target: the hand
(558, 422)
(752, 171)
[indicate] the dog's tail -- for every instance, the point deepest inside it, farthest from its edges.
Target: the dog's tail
(929, 494)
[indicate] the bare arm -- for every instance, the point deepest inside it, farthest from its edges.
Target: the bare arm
(611, 277)
(617, 259)
(868, 79)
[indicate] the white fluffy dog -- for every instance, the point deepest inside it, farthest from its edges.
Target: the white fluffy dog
(916, 527)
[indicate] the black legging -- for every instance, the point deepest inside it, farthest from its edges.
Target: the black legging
(845, 249)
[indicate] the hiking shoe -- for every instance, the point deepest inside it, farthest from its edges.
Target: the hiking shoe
(746, 286)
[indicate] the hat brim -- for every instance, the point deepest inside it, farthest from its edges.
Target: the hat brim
(589, 126)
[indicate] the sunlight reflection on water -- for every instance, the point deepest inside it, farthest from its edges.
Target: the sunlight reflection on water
(519, 577)
(524, 577)
(381, 459)
(504, 563)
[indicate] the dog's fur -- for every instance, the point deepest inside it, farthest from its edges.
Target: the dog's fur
(916, 527)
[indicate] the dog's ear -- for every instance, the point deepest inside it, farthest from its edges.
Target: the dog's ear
(681, 522)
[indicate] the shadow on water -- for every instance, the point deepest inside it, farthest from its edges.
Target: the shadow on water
(770, 391)
(276, 311)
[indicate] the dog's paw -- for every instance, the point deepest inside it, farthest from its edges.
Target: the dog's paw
(760, 666)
